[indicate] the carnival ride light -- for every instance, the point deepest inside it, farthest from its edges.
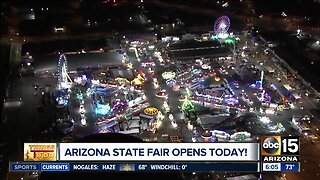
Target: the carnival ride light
(79, 96)
(171, 82)
(190, 126)
(119, 105)
(139, 80)
(102, 109)
(217, 78)
(174, 124)
(148, 64)
(105, 131)
(61, 97)
(162, 94)
(194, 139)
(206, 135)
(156, 85)
(229, 41)
(188, 92)
(129, 66)
(171, 117)
(265, 119)
(205, 66)
(160, 116)
(81, 109)
(176, 87)
(155, 80)
(62, 101)
(187, 105)
(166, 106)
(151, 111)
(168, 75)
(240, 136)
(122, 80)
(83, 122)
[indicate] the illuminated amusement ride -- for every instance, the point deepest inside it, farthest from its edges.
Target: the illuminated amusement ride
(62, 94)
(64, 82)
(115, 104)
(221, 27)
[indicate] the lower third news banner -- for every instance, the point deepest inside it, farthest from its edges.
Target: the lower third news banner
(139, 157)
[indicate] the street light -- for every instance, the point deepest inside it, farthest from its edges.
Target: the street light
(317, 42)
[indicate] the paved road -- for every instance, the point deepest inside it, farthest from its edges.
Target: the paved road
(27, 114)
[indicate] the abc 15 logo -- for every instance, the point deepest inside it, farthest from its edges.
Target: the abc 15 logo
(277, 145)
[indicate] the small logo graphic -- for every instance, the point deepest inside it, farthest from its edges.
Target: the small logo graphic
(40, 152)
(127, 167)
(271, 145)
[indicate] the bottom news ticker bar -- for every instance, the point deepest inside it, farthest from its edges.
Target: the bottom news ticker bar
(138, 167)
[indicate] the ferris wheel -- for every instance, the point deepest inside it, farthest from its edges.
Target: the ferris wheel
(222, 25)
(64, 81)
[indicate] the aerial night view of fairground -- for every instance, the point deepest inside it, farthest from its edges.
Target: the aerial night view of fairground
(162, 71)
